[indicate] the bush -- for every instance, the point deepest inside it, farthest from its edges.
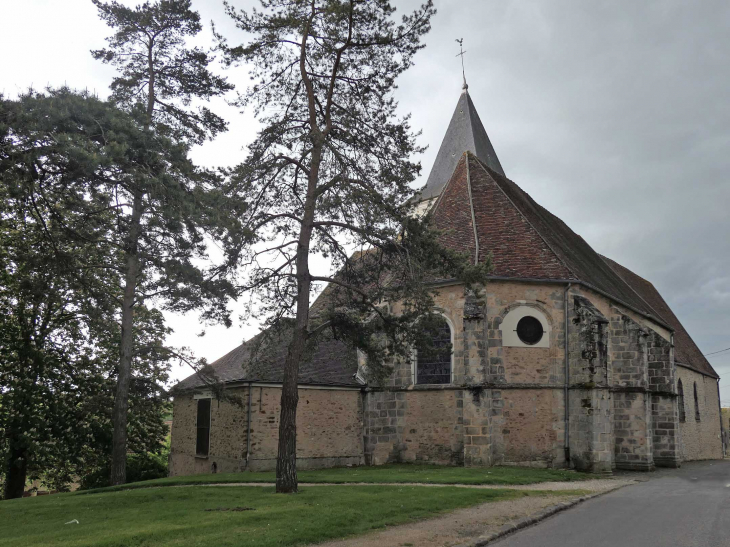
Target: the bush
(140, 467)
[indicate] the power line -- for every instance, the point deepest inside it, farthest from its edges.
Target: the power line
(715, 352)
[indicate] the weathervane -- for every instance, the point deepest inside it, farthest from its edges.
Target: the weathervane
(461, 54)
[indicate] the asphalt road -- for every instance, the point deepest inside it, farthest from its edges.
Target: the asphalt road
(687, 507)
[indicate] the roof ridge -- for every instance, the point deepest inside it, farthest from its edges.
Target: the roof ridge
(486, 169)
(446, 185)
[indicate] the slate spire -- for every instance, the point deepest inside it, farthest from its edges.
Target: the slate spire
(465, 133)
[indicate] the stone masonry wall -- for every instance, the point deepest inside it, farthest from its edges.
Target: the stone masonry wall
(532, 430)
(227, 437)
(632, 421)
(527, 413)
(421, 425)
(700, 439)
(590, 399)
(329, 431)
(664, 412)
(633, 439)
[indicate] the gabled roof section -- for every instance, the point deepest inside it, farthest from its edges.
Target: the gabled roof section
(525, 240)
(465, 133)
(686, 352)
(518, 247)
(452, 215)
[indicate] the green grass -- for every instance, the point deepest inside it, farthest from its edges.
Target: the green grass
(393, 473)
(186, 517)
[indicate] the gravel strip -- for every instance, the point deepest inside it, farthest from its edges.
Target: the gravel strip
(597, 485)
(477, 526)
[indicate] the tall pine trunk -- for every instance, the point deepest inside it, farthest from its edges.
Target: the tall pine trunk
(121, 400)
(286, 460)
(124, 375)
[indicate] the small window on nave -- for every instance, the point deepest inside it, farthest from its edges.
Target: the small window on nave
(697, 405)
(433, 359)
(680, 401)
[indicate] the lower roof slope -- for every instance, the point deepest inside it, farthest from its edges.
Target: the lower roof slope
(686, 352)
(333, 363)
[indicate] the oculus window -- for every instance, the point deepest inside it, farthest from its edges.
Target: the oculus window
(529, 330)
(202, 441)
(433, 359)
(525, 326)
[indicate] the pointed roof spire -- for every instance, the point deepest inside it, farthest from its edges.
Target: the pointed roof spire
(465, 132)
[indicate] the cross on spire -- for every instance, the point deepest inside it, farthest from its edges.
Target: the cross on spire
(461, 54)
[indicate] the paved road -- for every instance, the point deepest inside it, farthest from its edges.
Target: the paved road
(687, 507)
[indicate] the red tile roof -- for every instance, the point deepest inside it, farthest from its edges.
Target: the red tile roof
(525, 240)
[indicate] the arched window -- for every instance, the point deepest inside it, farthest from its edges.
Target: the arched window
(680, 401)
(433, 357)
(697, 405)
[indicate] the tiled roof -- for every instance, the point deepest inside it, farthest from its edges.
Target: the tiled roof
(333, 363)
(525, 240)
(686, 352)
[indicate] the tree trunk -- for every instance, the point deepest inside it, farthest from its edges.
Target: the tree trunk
(286, 460)
(121, 399)
(16, 476)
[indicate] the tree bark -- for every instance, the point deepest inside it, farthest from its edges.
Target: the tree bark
(16, 475)
(286, 461)
(121, 399)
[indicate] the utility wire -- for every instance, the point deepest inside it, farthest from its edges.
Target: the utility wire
(714, 352)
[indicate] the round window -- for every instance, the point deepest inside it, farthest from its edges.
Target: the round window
(529, 330)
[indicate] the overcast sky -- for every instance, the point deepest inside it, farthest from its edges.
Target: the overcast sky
(612, 115)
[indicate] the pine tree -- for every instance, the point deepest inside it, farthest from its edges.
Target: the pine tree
(330, 174)
(59, 288)
(168, 210)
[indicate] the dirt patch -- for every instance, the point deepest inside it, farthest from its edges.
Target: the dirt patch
(464, 525)
(235, 509)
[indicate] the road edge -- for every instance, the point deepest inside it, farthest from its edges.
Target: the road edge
(526, 522)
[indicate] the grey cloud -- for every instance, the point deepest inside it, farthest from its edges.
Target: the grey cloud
(613, 115)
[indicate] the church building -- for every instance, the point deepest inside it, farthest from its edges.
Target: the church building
(567, 359)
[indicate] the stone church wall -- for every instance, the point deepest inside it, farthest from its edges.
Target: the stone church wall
(505, 404)
(227, 437)
(421, 425)
(700, 439)
(329, 431)
(532, 427)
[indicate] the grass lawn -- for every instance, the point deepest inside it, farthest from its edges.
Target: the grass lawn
(203, 516)
(393, 473)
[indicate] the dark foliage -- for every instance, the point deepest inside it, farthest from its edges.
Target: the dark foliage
(59, 289)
